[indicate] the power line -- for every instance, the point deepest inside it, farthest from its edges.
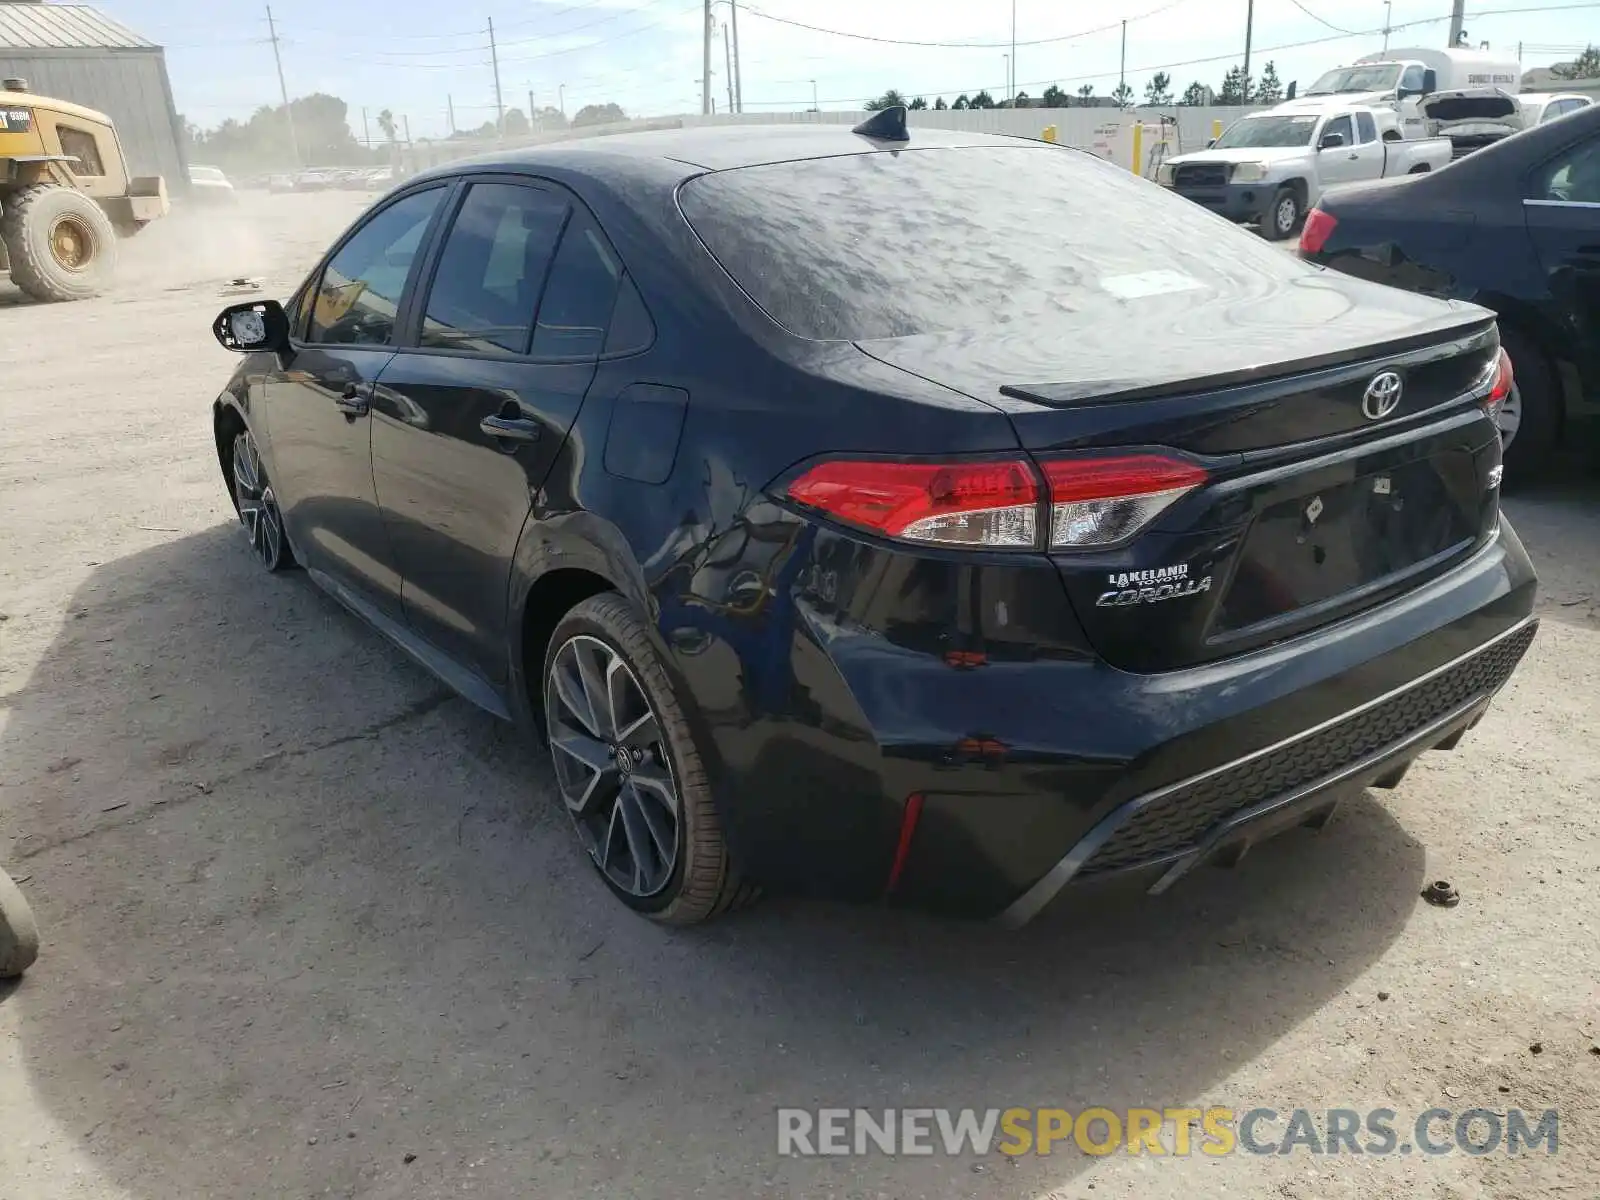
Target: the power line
(1320, 21)
(884, 41)
(1193, 62)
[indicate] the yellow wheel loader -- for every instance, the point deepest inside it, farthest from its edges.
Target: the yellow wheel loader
(65, 195)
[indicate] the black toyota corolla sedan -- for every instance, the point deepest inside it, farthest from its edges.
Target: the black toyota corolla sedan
(1514, 227)
(937, 520)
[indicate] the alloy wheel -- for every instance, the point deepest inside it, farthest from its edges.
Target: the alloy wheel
(612, 766)
(1286, 213)
(258, 506)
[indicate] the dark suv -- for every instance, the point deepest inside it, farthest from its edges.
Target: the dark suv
(930, 517)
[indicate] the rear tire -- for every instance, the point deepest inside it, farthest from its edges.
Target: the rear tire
(61, 244)
(1531, 440)
(605, 635)
(1283, 215)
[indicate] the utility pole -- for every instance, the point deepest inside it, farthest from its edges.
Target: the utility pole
(499, 104)
(407, 121)
(738, 59)
(366, 130)
(1249, 28)
(1011, 84)
(283, 88)
(530, 108)
(1458, 13)
(705, 73)
(1388, 14)
(450, 104)
(1122, 72)
(561, 100)
(727, 59)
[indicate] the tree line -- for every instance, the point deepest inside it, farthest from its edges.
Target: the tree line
(1237, 89)
(324, 137)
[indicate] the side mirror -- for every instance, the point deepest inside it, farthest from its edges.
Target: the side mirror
(1210, 142)
(252, 326)
(1430, 82)
(1293, 84)
(1330, 141)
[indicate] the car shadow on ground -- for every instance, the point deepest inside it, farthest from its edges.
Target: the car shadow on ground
(306, 915)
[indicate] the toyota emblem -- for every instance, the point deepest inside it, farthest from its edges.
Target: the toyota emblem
(1382, 396)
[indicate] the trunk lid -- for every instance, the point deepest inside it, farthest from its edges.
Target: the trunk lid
(1314, 509)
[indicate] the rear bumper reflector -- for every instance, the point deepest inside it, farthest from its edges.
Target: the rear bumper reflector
(902, 850)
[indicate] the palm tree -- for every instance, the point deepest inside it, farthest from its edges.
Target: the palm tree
(386, 124)
(889, 99)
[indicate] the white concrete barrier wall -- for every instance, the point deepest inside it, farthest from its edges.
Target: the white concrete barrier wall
(1107, 131)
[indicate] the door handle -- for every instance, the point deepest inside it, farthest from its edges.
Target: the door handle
(511, 429)
(1353, 157)
(355, 400)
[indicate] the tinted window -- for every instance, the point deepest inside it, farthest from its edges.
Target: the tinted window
(81, 146)
(1574, 176)
(1367, 127)
(1411, 80)
(486, 287)
(579, 298)
(885, 245)
(1341, 126)
(631, 329)
(358, 295)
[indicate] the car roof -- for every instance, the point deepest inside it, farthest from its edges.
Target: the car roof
(692, 150)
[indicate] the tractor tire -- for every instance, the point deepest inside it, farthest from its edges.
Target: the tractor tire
(61, 244)
(19, 935)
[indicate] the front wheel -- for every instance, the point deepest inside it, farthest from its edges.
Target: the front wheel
(628, 771)
(1282, 215)
(258, 506)
(60, 243)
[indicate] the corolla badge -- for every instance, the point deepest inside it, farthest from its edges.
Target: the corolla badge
(1382, 396)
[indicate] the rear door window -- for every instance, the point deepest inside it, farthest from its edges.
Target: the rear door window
(486, 287)
(580, 296)
(1572, 177)
(358, 296)
(1367, 127)
(883, 245)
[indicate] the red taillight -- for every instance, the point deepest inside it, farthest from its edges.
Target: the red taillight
(1098, 501)
(1314, 233)
(1093, 501)
(953, 504)
(1500, 390)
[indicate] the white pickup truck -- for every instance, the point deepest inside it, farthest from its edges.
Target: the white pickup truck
(1273, 166)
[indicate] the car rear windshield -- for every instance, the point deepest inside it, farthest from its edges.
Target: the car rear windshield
(898, 243)
(1268, 131)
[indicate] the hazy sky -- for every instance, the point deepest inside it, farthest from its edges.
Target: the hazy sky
(410, 55)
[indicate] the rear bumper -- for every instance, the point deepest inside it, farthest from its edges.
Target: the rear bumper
(1236, 201)
(1226, 807)
(1060, 769)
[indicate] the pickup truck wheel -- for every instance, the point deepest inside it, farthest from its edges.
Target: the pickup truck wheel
(1282, 215)
(1530, 422)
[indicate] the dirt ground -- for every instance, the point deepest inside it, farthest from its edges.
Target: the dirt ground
(307, 915)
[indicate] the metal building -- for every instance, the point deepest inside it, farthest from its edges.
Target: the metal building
(72, 52)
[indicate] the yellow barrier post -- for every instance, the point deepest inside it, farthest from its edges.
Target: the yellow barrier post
(1049, 134)
(1216, 128)
(1138, 146)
